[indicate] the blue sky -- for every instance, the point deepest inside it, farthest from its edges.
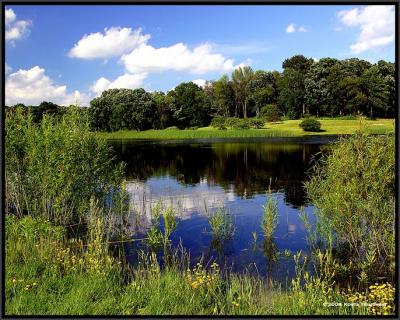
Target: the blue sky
(71, 53)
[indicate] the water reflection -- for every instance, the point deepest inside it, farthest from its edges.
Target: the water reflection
(244, 168)
(198, 177)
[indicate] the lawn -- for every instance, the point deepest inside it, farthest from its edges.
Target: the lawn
(288, 128)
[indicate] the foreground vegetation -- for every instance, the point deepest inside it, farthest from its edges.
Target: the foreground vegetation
(288, 128)
(47, 274)
(66, 205)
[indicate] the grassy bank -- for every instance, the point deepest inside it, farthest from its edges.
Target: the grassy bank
(288, 128)
(49, 275)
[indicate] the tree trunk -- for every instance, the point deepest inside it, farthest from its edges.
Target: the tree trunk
(245, 109)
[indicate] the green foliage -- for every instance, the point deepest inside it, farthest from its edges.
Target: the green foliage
(118, 109)
(311, 125)
(270, 113)
(218, 122)
(221, 224)
(353, 188)
(224, 97)
(54, 168)
(270, 220)
(256, 123)
(190, 106)
(49, 275)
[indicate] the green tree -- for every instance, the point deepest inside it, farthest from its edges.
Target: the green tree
(241, 78)
(262, 89)
(190, 107)
(224, 97)
(164, 105)
(292, 85)
(376, 91)
(317, 91)
(118, 109)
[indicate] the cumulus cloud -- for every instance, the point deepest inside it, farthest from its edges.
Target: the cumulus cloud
(32, 86)
(200, 82)
(178, 57)
(126, 81)
(291, 28)
(113, 42)
(376, 24)
(10, 16)
(15, 29)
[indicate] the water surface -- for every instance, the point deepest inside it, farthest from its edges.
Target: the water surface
(199, 176)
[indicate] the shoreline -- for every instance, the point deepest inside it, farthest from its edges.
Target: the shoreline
(284, 129)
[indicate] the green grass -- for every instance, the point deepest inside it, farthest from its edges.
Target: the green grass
(49, 275)
(288, 128)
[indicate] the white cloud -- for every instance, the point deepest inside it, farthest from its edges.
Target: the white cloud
(291, 28)
(178, 57)
(32, 86)
(376, 23)
(126, 81)
(10, 16)
(15, 29)
(114, 41)
(200, 82)
(302, 29)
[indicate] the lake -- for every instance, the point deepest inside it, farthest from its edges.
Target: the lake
(199, 176)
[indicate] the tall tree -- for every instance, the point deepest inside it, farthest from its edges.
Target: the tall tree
(191, 109)
(376, 91)
(317, 91)
(241, 78)
(295, 69)
(262, 89)
(223, 96)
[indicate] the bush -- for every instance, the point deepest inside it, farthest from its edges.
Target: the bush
(218, 122)
(256, 123)
(56, 168)
(270, 113)
(241, 124)
(353, 188)
(311, 125)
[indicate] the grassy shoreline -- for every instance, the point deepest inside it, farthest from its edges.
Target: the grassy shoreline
(47, 274)
(288, 128)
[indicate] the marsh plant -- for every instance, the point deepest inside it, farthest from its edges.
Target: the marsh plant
(221, 223)
(270, 220)
(353, 189)
(157, 236)
(55, 167)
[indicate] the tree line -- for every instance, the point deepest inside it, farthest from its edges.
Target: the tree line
(328, 87)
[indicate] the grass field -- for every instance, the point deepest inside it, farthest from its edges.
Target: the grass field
(288, 128)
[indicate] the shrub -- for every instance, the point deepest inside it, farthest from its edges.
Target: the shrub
(56, 168)
(241, 124)
(256, 123)
(218, 122)
(311, 125)
(354, 190)
(270, 113)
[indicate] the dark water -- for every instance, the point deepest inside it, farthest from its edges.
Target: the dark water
(201, 176)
